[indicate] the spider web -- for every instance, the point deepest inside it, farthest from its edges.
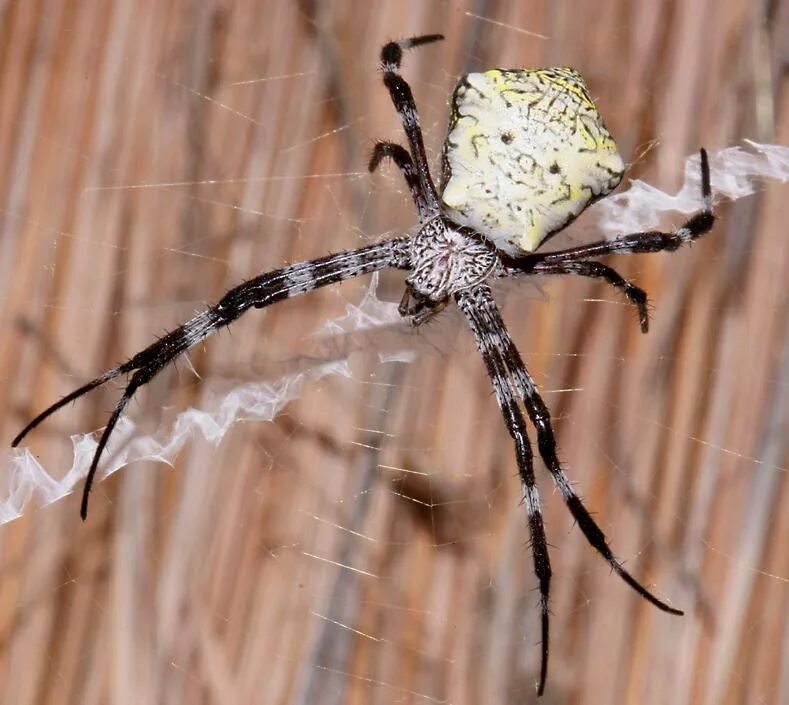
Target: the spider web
(351, 546)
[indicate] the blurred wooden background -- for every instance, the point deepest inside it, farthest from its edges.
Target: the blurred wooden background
(368, 546)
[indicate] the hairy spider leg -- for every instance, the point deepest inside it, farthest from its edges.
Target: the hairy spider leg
(634, 294)
(494, 328)
(403, 99)
(505, 368)
(402, 159)
(259, 292)
(469, 304)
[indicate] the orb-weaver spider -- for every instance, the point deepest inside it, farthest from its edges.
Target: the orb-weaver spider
(525, 153)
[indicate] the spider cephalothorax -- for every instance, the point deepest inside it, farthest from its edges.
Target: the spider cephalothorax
(445, 258)
(526, 152)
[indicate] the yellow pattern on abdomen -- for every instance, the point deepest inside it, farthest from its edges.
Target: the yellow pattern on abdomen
(525, 153)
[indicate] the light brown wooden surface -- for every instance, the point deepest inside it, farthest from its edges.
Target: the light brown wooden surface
(369, 546)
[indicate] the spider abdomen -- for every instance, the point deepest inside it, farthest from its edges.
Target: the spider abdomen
(525, 153)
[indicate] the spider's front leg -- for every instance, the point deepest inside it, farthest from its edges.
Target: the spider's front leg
(509, 377)
(259, 292)
(426, 206)
(403, 99)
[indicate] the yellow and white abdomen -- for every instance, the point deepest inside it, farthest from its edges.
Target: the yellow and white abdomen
(525, 153)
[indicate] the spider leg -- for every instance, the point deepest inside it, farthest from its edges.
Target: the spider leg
(634, 294)
(403, 99)
(513, 418)
(259, 292)
(401, 157)
(650, 241)
(546, 442)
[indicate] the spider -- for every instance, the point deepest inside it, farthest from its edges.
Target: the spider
(526, 151)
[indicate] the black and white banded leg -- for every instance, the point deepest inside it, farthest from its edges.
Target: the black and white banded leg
(505, 368)
(402, 159)
(596, 270)
(403, 99)
(259, 292)
(507, 398)
(546, 442)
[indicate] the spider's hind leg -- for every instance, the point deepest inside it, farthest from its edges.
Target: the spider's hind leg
(575, 260)
(635, 295)
(392, 52)
(493, 328)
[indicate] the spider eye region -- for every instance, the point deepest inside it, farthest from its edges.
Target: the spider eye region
(525, 153)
